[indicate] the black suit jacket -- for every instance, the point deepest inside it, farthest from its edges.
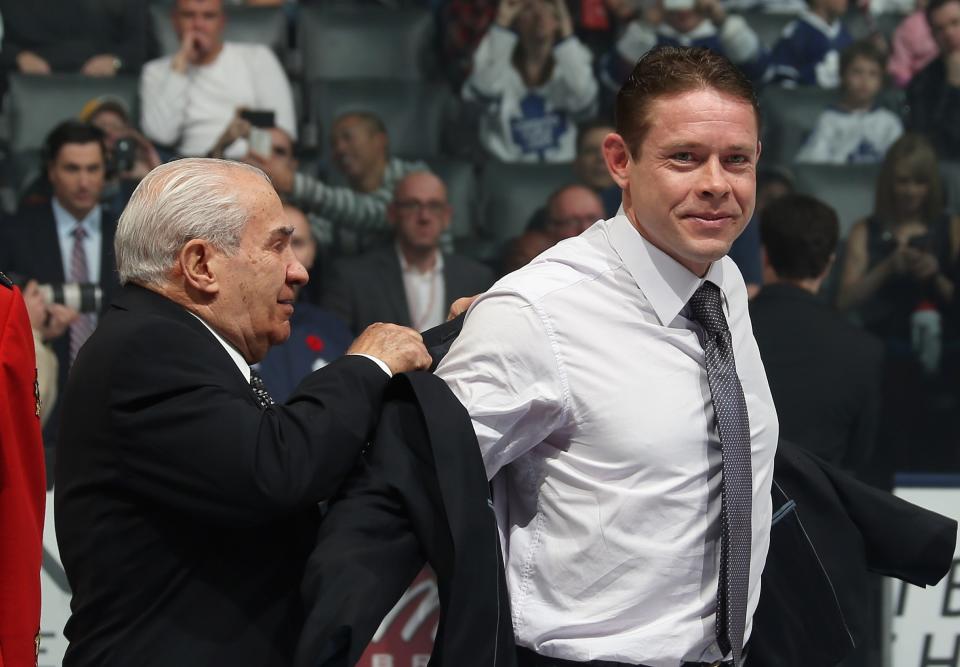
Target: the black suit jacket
(824, 374)
(184, 512)
(367, 289)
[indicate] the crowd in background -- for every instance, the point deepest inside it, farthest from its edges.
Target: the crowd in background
(423, 148)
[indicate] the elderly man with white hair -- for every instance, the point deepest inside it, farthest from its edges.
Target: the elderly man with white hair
(186, 500)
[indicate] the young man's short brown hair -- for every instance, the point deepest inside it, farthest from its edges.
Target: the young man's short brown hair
(670, 70)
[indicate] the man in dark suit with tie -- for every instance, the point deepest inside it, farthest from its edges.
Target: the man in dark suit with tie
(410, 282)
(186, 500)
(69, 238)
(825, 373)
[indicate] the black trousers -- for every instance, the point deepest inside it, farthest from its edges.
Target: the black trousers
(527, 658)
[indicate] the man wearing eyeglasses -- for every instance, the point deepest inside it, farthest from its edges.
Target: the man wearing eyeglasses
(411, 281)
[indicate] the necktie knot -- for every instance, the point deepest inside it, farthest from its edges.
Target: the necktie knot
(260, 389)
(706, 308)
(79, 233)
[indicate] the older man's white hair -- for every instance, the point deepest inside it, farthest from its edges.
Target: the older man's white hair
(193, 198)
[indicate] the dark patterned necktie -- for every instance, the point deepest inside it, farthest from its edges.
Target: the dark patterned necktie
(736, 486)
(83, 326)
(260, 392)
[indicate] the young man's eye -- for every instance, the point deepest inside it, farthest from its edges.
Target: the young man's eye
(683, 156)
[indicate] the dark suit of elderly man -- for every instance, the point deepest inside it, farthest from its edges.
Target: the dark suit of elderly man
(186, 500)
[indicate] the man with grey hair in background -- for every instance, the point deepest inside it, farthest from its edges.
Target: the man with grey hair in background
(186, 500)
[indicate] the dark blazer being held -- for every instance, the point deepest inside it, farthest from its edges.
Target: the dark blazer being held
(185, 512)
(367, 289)
(824, 374)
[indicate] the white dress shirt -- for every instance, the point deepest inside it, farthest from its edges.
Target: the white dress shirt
(191, 110)
(425, 291)
(586, 384)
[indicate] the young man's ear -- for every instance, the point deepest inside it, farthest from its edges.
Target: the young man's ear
(616, 154)
(197, 263)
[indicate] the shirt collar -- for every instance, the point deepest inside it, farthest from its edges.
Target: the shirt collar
(406, 268)
(231, 350)
(66, 223)
(665, 283)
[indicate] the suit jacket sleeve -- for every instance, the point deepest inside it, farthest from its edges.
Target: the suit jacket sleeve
(193, 440)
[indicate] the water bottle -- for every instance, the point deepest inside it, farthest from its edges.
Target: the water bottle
(925, 336)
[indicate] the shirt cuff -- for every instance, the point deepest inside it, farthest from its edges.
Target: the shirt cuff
(383, 366)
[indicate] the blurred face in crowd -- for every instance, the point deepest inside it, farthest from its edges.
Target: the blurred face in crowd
(419, 212)
(203, 21)
(689, 189)
(112, 123)
(358, 147)
(281, 145)
(257, 284)
(77, 174)
(537, 21)
(945, 26)
(910, 191)
(589, 163)
(572, 211)
(861, 81)
(303, 244)
(681, 16)
(525, 248)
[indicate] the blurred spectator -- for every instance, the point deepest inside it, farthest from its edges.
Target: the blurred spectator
(824, 373)
(92, 37)
(913, 47)
(745, 251)
(569, 212)
(410, 282)
(317, 336)
(360, 150)
(68, 239)
(187, 99)
(591, 168)
(855, 131)
(522, 250)
(534, 80)
(130, 160)
(808, 53)
(906, 252)
(462, 24)
(276, 144)
(934, 93)
(702, 23)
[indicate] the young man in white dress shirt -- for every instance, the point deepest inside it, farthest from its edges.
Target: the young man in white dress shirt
(584, 374)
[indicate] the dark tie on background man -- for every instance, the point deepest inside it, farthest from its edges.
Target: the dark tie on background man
(260, 390)
(736, 486)
(84, 325)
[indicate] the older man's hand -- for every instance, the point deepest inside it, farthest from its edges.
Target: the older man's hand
(400, 348)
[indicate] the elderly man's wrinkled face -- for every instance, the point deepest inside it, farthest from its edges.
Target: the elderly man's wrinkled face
(258, 282)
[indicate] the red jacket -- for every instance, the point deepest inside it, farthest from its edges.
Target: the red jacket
(22, 485)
